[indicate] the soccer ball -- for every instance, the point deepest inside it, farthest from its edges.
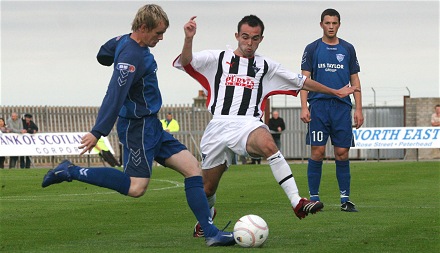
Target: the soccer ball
(251, 231)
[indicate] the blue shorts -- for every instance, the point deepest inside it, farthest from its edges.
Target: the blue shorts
(144, 140)
(330, 117)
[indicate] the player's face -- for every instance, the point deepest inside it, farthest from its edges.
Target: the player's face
(330, 26)
(151, 37)
(248, 40)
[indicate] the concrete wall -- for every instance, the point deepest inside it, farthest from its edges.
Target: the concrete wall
(418, 113)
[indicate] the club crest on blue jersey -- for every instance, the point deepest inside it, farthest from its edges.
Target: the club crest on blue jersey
(126, 67)
(340, 57)
(124, 70)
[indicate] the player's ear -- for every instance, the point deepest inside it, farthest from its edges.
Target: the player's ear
(143, 28)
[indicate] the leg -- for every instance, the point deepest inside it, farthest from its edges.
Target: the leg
(278, 143)
(342, 140)
(314, 171)
(188, 166)
(2, 162)
(243, 159)
(104, 177)
(317, 135)
(344, 178)
(22, 162)
(211, 178)
(13, 161)
(260, 142)
(28, 162)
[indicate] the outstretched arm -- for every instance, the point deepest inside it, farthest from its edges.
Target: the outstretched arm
(312, 85)
(190, 30)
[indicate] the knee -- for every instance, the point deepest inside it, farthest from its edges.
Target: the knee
(341, 157)
(317, 155)
(269, 149)
(341, 154)
(136, 192)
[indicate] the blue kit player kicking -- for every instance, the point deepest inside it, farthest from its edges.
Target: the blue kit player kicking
(332, 62)
(133, 97)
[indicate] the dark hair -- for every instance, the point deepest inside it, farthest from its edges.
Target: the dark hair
(438, 105)
(330, 12)
(252, 21)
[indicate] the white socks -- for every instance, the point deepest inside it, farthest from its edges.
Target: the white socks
(282, 173)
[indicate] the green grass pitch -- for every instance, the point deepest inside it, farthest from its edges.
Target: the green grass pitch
(398, 206)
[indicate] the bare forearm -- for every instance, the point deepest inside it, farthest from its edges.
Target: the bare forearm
(311, 85)
(190, 30)
(186, 56)
(355, 82)
(303, 97)
(358, 100)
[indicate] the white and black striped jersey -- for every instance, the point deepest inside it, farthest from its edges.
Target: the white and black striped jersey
(240, 86)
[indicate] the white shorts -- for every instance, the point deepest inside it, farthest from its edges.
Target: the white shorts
(226, 136)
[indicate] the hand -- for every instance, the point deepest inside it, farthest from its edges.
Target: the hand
(346, 90)
(88, 142)
(190, 27)
(358, 118)
(305, 115)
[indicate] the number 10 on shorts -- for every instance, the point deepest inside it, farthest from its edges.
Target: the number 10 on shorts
(317, 136)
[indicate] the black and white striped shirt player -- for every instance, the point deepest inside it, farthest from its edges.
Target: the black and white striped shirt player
(237, 84)
(237, 89)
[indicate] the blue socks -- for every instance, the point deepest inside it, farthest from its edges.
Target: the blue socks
(314, 172)
(117, 180)
(344, 177)
(104, 177)
(196, 198)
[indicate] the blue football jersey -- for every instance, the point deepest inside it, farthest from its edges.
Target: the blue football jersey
(133, 91)
(331, 65)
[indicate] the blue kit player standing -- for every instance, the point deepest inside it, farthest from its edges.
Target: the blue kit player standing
(332, 62)
(133, 97)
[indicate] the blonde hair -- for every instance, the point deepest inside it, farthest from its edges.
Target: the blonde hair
(150, 15)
